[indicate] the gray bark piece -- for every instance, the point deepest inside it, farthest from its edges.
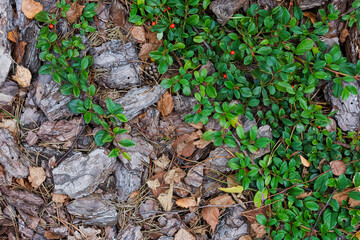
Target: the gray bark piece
(52, 102)
(352, 45)
(117, 65)
(11, 157)
(224, 9)
(348, 111)
(79, 175)
(330, 42)
(93, 210)
(138, 99)
(219, 161)
(130, 233)
(194, 179)
(8, 91)
(127, 181)
(246, 123)
(232, 226)
(5, 25)
(308, 4)
(184, 105)
(264, 131)
(31, 56)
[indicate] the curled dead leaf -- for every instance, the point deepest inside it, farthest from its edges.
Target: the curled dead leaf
(59, 198)
(36, 176)
(30, 8)
(22, 76)
(224, 199)
(174, 175)
(211, 216)
(343, 35)
(153, 184)
(310, 15)
(166, 104)
(258, 230)
(338, 167)
(186, 202)
(13, 36)
(304, 161)
(74, 12)
(138, 33)
(165, 198)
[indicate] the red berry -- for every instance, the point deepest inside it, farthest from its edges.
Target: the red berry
(172, 25)
(168, 8)
(291, 3)
(51, 26)
(318, 127)
(225, 76)
(292, 86)
(232, 52)
(165, 10)
(329, 24)
(153, 23)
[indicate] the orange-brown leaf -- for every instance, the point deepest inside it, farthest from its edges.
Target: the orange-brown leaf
(166, 104)
(211, 216)
(186, 202)
(310, 15)
(74, 12)
(30, 8)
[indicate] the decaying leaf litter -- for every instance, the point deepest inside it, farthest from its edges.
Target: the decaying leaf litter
(176, 186)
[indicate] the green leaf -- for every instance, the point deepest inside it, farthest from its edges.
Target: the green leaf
(320, 74)
(261, 219)
(240, 132)
(114, 153)
(45, 69)
(73, 105)
(356, 4)
(110, 105)
(84, 63)
(313, 206)
(99, 137)
(126, 143)
(127, 156)
(296, 191)
(352, 89)
(179, 45)
(262, 142)
(304, 46)
(163, 67)
(356, 179)
(345, 94)
(264, 50)
(66, 89)
(193, 20)
(229, 140)
(253, 133)
(208, 135)
(98, 109)
(211, 91)
(92, 90)
(298, 12)
(87, 117)
(355, 195)
(121, 117)
(42, 16)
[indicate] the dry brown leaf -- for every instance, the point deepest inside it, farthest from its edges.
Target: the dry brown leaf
(258, 230)
(50, 235)
(59, 198)
(90, 233)
(304, 195)
(182, 234)
(310, 15)
(36, 176)
(251, 214)
(174, 175)
(211, 216)
(343, 35)
(153, 184)
(30, 8)
(117, 12)
(231, 180)
(224, 199)
(246, 237)
(342, 196)
(19, 51)
(138, 33)
(11, 36)
(184, 146)
(22, 182)
(10, 124)
(163, 186)
(165, 198)
(305, 162)
(22, 76)
(162, 162)
(74, 12)
(198, 125)
(146, 49)
(104, 16)
(338, 167)
(166, 104)
(195, 135)
(186, 202)
(201, 143)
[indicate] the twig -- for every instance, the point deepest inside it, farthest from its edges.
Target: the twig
(320, 213)
(73, 144)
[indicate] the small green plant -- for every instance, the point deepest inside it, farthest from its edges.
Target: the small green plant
(70, 67)
(268, 65)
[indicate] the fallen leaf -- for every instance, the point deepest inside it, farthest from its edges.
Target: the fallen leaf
(146, 49)
(224, 199)
(338, 167)
(117, 12)
(166, 104)
(13, 36)
(238, 189)
(246, 237)
(162, 162)
(153, 184)
(19, 51)
(36, 176)
(201, 143)
(182, 234)
(195, 135)
(104, 16)
(22, 76)
(10, 124)
(258, 230)
(184, 146)
(90, 234)
(138, 33)
(163, 186)
(343, 35)
(251, 214)
(342, 196)
(50, 235)
(30, 8)
(304, 195)
(211, 216)
(134, 194)
(24, 183)
(165, 198)
(304, 161)
(59, 198)
(198, 125)
(174, 175)
(310, 15)
(74, 12)
(186, 202)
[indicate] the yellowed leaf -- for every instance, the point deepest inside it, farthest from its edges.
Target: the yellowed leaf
(36, 176)
(238, 189)
(22, 76)
(153, 184)
(211, 216)
(165, 198)
(166, 104)
(305, 162)
(30, 8)
(186, 202)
